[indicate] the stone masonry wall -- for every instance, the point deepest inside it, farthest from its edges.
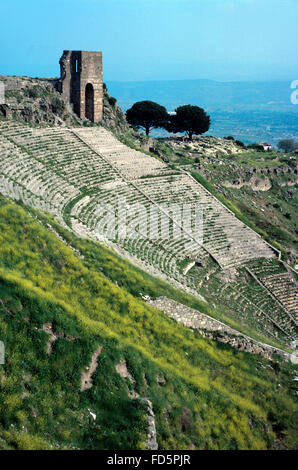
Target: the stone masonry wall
(214, 329)
(81, 71)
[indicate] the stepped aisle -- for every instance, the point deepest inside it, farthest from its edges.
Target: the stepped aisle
(227, 239)
(131, 163)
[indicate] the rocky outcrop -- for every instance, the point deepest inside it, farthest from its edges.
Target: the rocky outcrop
(204, 146)
(37, 101)
(113, 116)
(256, 184)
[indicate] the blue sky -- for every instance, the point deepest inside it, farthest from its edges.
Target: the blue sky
(154, 39)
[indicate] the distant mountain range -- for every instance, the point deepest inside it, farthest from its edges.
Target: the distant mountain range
(250, 111)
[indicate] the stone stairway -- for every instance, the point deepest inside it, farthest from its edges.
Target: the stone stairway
(225, 238)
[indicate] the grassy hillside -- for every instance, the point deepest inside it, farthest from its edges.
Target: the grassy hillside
(205, 395)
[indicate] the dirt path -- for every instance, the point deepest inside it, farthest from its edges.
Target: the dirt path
(86, 379)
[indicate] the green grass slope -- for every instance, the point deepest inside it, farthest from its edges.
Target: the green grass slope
(205, 395)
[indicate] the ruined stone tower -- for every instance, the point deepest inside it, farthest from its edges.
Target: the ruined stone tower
(81, 83)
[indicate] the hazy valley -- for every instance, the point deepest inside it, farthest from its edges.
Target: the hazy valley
(250, 111)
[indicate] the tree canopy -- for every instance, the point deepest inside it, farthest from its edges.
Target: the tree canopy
(189, 119)
(147, 115)
(287, 145)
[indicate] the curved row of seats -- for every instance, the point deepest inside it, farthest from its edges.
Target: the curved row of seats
(86, 169)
